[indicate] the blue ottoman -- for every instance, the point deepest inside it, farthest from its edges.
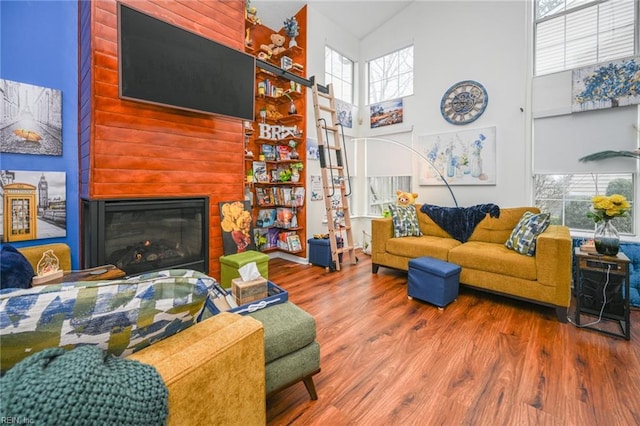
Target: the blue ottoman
(434, 281)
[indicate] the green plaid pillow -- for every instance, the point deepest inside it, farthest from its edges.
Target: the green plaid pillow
(405, 221)
(524, 235)
(119, 316)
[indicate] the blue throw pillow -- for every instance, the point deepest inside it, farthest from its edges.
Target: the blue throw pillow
(15, 271)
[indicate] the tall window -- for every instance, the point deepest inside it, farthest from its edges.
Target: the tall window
(382, 192)
(391, 76)
(574, 33)
(568, 197)
(338, 70)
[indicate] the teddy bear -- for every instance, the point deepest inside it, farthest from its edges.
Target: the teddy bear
(406, 198)
(276, 46)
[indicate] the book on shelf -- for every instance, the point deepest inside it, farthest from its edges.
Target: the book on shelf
(272, 237)
(266, 218)
(284, 152)
(269, 152)
(264, 196)
(260, 172)
(294, 243)
(298, 196)
(283, 239)
(284, 216)
(261, 238)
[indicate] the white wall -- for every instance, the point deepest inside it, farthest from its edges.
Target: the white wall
(453, 41)
(486, 41)
(321, 32)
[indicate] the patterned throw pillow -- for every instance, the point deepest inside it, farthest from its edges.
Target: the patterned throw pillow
(119, 316)
(524, 235)
(405, 221)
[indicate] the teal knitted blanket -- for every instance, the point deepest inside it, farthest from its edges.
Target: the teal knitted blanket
(83, 386)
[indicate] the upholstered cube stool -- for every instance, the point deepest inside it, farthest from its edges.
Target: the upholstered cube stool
(230, 264)
(291, 351)
(433, 280)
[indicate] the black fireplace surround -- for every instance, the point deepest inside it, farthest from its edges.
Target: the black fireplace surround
(145, 235)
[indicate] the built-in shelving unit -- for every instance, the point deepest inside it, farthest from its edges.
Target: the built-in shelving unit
(275, 141)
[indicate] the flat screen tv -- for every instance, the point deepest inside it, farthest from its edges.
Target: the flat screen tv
(162, 64)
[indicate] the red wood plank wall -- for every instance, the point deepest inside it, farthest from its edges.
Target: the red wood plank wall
(134, 150)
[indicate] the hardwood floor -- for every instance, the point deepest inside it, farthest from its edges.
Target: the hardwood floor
(483, 360)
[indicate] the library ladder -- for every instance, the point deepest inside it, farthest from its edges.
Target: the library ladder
(334, 169)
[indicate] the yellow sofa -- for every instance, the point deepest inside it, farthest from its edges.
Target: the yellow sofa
(486, 263)
(214, 370)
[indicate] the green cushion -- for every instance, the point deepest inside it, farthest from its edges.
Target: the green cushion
(120, 316)
(524, 235)
(287, 328)
(405, 221)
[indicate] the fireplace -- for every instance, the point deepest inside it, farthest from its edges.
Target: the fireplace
(144, 235)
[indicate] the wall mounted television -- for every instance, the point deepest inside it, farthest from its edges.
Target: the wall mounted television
(162, 64)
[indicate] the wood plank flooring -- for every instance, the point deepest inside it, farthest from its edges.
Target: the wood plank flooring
(483, 360)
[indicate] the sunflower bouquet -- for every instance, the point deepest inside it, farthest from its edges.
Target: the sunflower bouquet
(608, 207)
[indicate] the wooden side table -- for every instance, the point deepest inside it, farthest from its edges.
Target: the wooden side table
(602, 292)
(105, 272)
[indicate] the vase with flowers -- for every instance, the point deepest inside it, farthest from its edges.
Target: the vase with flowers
(291, 29)
(603, 210)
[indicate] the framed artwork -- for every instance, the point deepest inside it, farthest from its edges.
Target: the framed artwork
(386, 113)
(237, 227)
(607, 85)
(313, 152)
(31, 120)
(34, 205)
(462, 158)
(344, 111)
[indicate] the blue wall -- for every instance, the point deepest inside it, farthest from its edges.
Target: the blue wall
(39, 46)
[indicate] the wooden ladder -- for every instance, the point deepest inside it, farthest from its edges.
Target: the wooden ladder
(335, 174)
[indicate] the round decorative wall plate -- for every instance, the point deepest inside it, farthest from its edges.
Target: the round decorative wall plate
(464, 102)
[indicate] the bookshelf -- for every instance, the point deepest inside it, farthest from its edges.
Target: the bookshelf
(275, 153)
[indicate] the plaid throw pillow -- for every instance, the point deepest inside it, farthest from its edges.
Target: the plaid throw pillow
(524, 235)
(405, 221)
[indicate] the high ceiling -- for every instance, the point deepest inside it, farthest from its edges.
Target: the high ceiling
(359, 17)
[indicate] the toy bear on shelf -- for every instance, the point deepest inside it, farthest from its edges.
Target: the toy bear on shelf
(406, 198)
(276, 46)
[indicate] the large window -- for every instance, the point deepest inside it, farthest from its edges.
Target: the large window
(568, 198)
(574, 33)
(338, 71)
(382, 192)
(391, 76)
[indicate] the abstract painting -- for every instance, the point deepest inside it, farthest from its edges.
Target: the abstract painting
(606, 85)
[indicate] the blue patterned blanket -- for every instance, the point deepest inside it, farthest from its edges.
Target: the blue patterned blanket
(460, 222)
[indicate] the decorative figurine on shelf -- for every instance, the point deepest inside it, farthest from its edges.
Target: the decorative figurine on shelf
(291, 29)
(276, 46)
(251, 13)
(294, 154)
(48, 268)
(292, 106)
(248, 42)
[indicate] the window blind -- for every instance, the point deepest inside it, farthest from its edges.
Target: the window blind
(590, 33)
(559, 141)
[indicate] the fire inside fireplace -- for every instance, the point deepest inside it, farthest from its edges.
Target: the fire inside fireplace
(146, 235)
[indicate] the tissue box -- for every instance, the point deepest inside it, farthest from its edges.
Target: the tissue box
(248, 291)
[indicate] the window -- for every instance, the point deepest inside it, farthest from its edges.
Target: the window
(391, 76)
(574, 33)
(338, 70)
(382, 192)
(568, 198)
